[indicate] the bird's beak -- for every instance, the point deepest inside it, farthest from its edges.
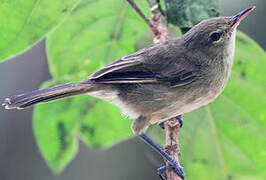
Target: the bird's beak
(240, 16)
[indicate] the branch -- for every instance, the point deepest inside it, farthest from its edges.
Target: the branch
(160, 33)
(160, 29)
(172, 127)
(141, 14)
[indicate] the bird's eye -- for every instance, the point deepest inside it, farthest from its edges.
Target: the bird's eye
(215, 36)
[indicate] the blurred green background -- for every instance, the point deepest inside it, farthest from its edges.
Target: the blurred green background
(19, 154)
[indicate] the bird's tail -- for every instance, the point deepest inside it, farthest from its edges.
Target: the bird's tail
(44, 95)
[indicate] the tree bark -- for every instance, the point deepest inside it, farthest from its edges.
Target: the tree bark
(172, 128)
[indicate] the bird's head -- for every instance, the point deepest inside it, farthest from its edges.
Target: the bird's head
(215, 35)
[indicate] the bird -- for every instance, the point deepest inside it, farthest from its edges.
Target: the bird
(159, 82)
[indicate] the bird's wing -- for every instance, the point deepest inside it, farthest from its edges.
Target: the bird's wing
(123, 65)
(179, 73)
(149, 65)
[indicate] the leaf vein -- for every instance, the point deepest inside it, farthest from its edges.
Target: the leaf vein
(217, 141)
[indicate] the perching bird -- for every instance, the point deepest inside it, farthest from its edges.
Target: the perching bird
(161, 81)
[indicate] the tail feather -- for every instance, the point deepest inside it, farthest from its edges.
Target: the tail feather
(44, 95)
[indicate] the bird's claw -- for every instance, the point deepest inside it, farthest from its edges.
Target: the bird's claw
(176, 167)
(161, 170)
(172, 162)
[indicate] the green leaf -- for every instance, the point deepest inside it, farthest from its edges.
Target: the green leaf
(25, 22)
(55, 130)
(88, 39)
(59, 125)
(92, 36)
(147, 38)
(226, 139)
(187, 13)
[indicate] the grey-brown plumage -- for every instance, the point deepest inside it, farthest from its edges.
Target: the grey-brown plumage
(161, 81)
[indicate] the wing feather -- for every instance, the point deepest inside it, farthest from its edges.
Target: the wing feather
(153, 64)
(113, 67)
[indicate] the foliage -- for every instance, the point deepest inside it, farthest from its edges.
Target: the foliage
(226, 136)
(59, 125)
(187, 13)
(25, 22)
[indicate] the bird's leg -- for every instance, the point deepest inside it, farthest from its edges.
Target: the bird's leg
(172, 162)
(179, 118)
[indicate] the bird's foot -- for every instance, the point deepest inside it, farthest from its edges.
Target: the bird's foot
(172, 162)
(176, 167)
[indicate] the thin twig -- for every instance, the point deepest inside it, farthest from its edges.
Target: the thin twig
(152, 24)
(160, 31)
(141, 14)
(160, 7)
